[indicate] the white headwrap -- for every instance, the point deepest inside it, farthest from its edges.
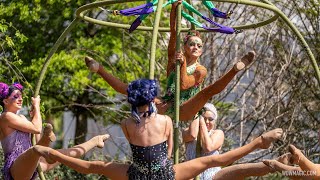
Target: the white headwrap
(210, 107)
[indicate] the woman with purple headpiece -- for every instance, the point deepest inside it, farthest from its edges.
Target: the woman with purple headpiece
(15, 136)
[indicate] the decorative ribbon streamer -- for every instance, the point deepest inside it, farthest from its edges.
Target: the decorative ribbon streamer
(138, 10)
(216, 12)
(144, 10)
(221, 28)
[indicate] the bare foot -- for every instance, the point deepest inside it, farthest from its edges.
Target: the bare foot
(271, 164)
(92, 64)
(285, 159)
(270, 136)
(245, 61)
(274, 165)
(100, 139)
(44, 152)
(48, 132)
(296, 154)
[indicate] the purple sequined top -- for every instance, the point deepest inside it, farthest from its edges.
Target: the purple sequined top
(13, 145)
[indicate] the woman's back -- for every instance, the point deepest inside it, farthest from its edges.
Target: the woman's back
(151, 144)
(152, 130)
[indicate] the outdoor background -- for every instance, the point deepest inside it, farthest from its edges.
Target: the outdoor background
(279, 90)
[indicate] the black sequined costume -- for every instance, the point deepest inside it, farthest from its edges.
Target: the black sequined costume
(151, 163)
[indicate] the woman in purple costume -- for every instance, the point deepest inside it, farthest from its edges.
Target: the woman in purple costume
(15, 136)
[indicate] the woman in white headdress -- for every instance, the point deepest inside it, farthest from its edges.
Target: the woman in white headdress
(210, 137)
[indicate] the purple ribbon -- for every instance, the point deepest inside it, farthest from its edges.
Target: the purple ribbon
(138, 10)
(223, 29)
(145, 12)
(135, 24)
(217, 13)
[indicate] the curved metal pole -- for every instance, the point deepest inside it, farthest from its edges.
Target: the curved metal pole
(52, 51)
(80, 12)
(43, 71)
(177, 92)
(154, 40)
(265, 5)
(80, 15)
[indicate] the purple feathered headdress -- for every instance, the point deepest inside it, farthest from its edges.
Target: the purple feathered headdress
(18, 86)
(6, 90)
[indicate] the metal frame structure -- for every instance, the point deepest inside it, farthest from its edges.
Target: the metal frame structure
(81, 15)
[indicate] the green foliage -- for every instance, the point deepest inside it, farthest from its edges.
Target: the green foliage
(68, 84)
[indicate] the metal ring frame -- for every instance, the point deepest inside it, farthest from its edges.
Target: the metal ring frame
(80, 13)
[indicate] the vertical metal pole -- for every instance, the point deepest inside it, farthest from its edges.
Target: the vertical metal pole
(154, 39)
(177, 92)
(198, 145)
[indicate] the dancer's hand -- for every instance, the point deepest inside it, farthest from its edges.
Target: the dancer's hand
(179, 57)
(176, 3)
(35, 101)
(31, 113)
(35, 105)
(202, 125)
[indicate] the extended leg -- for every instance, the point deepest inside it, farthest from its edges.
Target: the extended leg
(192, 168)
(77, 151)
(189, 108)
(280, 167)
(108, 169)
(304, 163)
(28, 160)
(241, 171)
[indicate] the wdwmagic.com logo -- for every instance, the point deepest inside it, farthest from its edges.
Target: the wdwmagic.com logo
(299, 173)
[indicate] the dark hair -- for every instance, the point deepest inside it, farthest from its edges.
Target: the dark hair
(190, 34)
(142, 92)
(6, 91)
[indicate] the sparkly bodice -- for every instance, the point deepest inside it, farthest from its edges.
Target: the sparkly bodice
(149, 158)
(13, 145)
(16, 140)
